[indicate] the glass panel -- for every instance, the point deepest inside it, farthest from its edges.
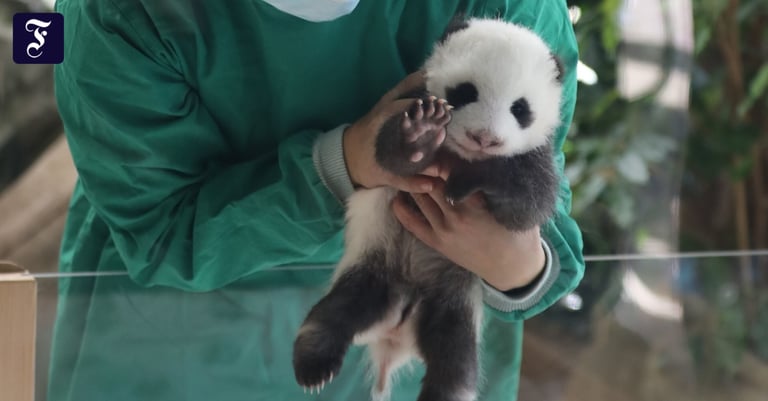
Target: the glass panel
(666, 152)
(654, 329)
(650, 329)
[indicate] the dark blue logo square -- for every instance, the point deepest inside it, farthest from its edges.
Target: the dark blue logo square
(38, 38)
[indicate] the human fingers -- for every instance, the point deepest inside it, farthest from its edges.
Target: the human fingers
(475, 201)
(415, 223)
(438, 197)
(433, 170)
(413, 184)
(443, 163)
(430, 210)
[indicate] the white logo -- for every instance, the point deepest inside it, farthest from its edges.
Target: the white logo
(34, 47)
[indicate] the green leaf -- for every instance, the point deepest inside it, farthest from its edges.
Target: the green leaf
(632, 167)
(652, 147)
(712, 8)
(749, 9)
(742, 168)
(610, 35)
(702, 39)
(622, 208)
(605, 102)
(587, 193)
(587, 145)
(760, 82)
(756, 89)
(568, 146)
(575, 170)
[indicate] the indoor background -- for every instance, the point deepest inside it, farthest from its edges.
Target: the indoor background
(667, 158)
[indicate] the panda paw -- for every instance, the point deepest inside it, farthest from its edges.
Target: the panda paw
(423, 127)
(408, 142)
(317, 358)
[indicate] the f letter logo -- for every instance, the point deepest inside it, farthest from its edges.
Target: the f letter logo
(38, 38)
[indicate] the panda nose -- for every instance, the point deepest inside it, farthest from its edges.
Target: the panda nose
(484, 138)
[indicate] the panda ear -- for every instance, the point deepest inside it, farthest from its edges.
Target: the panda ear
(559, 66)
(457, 23)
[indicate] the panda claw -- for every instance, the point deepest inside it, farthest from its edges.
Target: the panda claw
(431, 110)
(419, 110)
(406, 121)
(440, 112)
(421, 131)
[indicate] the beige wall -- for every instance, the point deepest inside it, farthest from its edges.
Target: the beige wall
(18, 304)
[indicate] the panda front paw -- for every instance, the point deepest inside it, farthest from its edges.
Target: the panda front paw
(423, 127)
(407, 143)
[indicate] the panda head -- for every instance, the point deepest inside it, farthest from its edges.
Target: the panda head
(505, 86)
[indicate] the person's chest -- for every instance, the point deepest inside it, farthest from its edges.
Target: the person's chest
(264, 75)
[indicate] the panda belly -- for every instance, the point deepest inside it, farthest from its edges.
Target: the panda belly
(419, 273)
(370, 225)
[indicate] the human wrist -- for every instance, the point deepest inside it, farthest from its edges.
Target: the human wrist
(522, 263)
(348, 147)
(328, 158)
(526, 297)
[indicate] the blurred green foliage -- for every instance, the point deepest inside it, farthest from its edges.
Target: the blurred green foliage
(618, 148)
(611, 149)
(620, 152)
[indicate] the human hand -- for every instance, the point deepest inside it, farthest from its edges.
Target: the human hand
(360, 144)
(470, 236)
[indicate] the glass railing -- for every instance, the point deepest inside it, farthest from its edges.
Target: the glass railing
(639, 327)
(691, 327)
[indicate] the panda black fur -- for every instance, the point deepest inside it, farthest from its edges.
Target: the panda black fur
(391, 292)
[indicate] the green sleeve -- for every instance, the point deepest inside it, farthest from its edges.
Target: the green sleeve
(562, 235)
(158, 169)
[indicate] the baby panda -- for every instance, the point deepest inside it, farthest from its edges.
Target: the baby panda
(491, 103)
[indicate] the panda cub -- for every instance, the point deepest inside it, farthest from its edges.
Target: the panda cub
(492, 103)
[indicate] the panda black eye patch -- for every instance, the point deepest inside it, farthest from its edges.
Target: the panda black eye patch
(461, 95)
(522, 112)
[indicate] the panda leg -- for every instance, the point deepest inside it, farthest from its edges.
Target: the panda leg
(365, 291)
(361, 297)
(446, 335)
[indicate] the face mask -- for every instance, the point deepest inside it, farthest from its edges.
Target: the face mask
(315, 10)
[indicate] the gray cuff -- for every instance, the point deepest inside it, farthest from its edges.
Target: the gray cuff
(328, 157)
(505, 303)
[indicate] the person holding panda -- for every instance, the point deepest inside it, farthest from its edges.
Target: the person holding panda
(218, 141)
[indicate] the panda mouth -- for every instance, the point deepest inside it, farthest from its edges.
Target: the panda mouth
(468, 152)
(450, 139)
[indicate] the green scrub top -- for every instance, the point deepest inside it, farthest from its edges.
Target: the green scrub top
(192, 125)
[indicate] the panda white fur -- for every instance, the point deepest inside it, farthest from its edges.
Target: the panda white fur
(391, 292)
